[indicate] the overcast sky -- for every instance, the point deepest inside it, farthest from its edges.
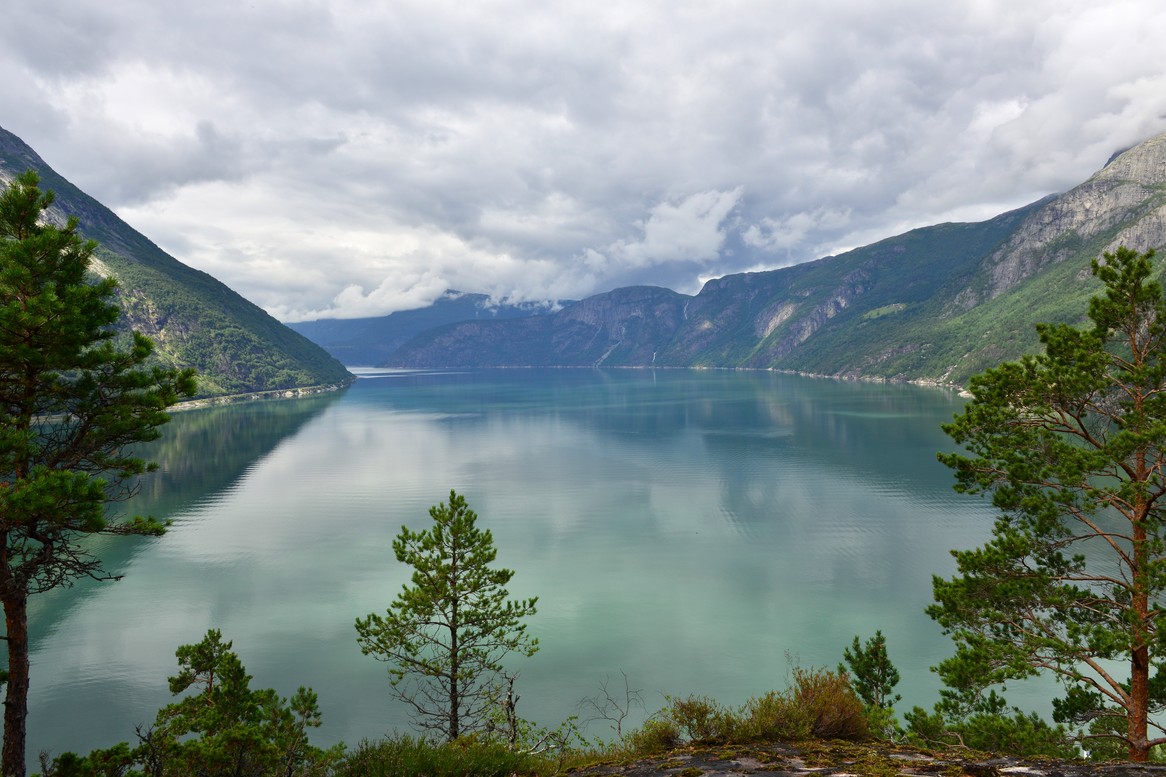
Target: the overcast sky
(352, 157)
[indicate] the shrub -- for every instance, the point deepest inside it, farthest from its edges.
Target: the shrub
(773, 717)
(700, 719)
(113, 762)
(829, 702)
(820, 704)
(1017, 734)
(225, 727)
(406, 756)
(927, 728)
(881, 722)
(657, 735)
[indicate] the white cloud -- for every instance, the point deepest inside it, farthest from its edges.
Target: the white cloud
(688, 230)
(778, 235)
(346, 158)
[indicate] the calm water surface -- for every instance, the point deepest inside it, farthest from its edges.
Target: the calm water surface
(691, 529)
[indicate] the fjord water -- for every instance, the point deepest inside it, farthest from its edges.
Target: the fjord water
(696, 530)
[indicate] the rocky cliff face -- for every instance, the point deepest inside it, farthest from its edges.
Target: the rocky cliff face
(623, 327)
(620, 328)
(850, 287)
(1122, 204)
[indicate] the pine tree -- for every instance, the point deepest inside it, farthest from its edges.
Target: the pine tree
(73, 402)
(223, 728)
(446, 634)
(873, 675)
(1071, 446)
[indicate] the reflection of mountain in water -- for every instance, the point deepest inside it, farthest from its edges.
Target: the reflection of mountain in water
(844, 460)
(865, 429)
(766, 435)
(203, 452)
(200, 453)
(741, 415)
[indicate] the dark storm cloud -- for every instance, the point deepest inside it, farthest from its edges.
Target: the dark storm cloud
(345, 158)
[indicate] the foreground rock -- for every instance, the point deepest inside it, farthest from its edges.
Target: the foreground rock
(840, 758)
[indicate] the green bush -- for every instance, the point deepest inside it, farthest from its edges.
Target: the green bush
(773, 717)
(820, 704)
(1017, 734)
(882, 723)
(113, 762)
(657, 735)
(405, 756)
(830, 703)
(701, 720)
(225, 727)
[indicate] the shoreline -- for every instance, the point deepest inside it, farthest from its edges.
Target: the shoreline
(939, 383)
(255, 396)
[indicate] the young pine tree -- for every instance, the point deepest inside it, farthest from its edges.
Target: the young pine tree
(871, 672)
(446, 634)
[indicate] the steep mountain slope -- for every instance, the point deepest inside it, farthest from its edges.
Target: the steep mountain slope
(620, 327)
(937, 304)
(371, 341)
(835, 306)
(754, 320)
(194, 319)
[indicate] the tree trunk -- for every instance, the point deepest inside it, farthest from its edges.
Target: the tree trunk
(16, 692)
(455, 655)
(1138, 712)
(454, 691)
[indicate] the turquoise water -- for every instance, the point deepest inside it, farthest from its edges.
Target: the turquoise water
(696, 530)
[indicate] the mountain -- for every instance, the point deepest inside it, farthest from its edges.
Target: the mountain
(621, 327)
(194, 320)
(935, 304)
(371, 341)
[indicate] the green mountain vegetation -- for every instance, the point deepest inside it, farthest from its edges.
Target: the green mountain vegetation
(936, 304)
(194, 320)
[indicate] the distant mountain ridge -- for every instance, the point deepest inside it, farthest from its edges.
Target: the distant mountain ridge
(371, 341)
(936, 304)
(194, 320)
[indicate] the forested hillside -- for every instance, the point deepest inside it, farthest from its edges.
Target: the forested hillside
(194, 319)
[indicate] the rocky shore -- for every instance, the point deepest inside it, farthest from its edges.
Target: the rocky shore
(843, 759)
